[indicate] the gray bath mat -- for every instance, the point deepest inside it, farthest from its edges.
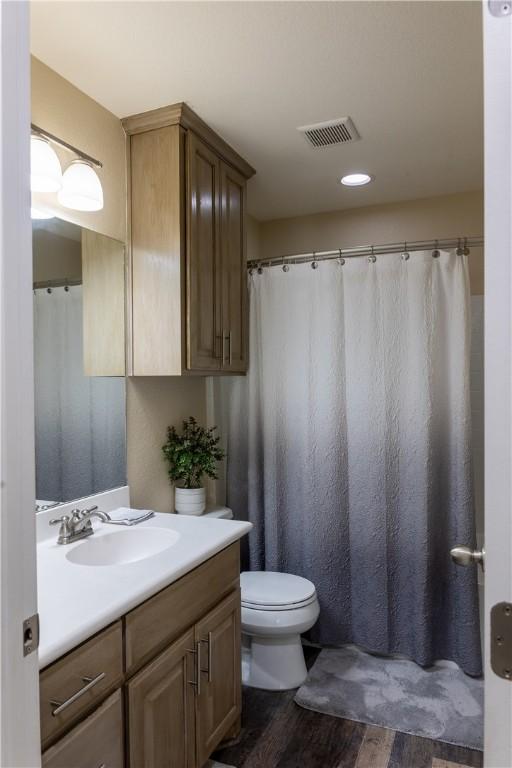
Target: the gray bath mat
(440, 702)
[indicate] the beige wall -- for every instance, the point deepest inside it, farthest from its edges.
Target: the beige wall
(60, 108)
(152, 404)
(444, 216)
(253, 238)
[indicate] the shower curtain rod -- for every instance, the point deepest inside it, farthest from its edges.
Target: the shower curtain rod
(462, 244)
(59, 283)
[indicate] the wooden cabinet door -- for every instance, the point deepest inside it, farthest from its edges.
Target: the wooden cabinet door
(161, 709)
(96, 741)
(218, 704)
(234, 270)
(204, 342)
(103, 298)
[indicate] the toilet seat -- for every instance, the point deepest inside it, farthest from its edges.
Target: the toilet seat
(272, 591)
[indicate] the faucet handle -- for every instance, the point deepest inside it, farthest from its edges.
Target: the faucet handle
(78, 514)
(65, 528)
(60, 520)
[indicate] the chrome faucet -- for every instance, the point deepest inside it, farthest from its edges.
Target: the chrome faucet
(79, 525)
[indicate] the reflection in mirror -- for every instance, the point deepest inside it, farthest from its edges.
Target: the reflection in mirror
(80, 419)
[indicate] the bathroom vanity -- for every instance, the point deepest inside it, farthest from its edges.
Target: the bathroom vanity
(159, 683)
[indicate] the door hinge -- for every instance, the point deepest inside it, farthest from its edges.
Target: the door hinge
(31, 634)
(500, 7)
(501, 640)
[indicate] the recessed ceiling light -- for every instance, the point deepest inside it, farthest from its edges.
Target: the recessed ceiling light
(356, 179)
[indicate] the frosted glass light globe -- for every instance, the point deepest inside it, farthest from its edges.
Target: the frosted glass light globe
(81, 187)
(45, 170)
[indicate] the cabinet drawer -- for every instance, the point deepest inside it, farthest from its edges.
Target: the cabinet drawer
(159, 620)
(97, 742)
(74, 684)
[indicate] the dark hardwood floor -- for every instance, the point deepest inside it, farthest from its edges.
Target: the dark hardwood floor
(276, 733)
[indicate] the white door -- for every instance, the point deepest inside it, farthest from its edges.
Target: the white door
(19, 692)
(498, 366)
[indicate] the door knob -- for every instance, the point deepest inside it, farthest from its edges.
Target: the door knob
(466, 556)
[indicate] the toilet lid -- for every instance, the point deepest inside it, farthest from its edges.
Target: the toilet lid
(267, 589)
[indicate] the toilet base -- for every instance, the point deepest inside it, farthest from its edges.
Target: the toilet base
(273, 663)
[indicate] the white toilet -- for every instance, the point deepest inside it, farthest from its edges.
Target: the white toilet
(276, 609)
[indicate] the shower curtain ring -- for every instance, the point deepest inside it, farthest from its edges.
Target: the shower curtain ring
(340, 259)
(372, 259)
(260, 269)
(285, 266)
(465, 250)
(460, 250)
(436, 252)
(405, 254)
(314, 264)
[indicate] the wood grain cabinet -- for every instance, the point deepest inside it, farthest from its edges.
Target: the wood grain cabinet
(174, 662)
(161, 709)
(96, 742)
(183, 703)
(187, 294)
(103, 297)
(219, 669)
(76, 683)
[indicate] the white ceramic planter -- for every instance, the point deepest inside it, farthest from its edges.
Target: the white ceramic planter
(190, 501)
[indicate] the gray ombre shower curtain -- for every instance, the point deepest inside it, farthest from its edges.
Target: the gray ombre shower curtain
(80, 420)
(349, 448)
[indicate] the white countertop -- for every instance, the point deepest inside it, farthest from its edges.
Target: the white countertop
(76, 601)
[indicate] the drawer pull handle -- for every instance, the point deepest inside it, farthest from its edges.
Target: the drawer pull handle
(209, 670)
(219, 337)
(90, 682)
(197, 682)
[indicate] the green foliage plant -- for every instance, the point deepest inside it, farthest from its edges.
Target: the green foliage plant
(192, 454)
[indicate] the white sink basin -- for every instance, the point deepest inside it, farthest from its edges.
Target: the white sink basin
(122, 547)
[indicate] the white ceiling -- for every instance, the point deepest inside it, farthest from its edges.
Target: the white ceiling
(408, 73)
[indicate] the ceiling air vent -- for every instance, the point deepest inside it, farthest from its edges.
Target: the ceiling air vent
(332, 132)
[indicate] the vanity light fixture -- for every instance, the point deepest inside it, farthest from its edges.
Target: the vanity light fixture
(79, 187)
(45, 170)
(356, 179)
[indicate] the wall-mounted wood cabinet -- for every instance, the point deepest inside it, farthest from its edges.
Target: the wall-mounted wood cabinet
(103, 295)
(187, 297)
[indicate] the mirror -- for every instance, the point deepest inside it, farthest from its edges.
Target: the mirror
(79, 362)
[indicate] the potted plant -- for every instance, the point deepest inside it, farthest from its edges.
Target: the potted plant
(191, 455)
